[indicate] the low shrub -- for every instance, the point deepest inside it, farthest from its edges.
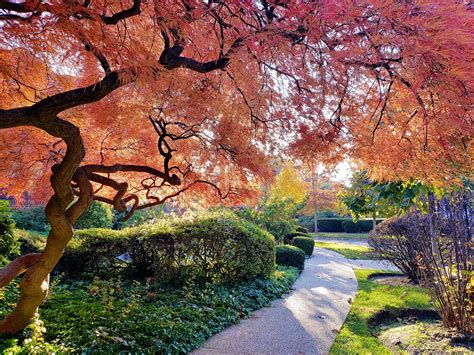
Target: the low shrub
(289, 237)
(446, 254)
(302, 229)
(393, 240)
(31, 218)
(436, 249)
(216, 247)
(290, 255)
(304, 243)
(98, 215)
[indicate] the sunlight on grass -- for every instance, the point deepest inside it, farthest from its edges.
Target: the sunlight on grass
(355, 336)
(350, 251)
(329, 235)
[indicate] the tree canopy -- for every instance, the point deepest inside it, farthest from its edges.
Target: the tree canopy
(134, 102)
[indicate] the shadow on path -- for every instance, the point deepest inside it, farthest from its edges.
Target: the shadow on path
(306, 321)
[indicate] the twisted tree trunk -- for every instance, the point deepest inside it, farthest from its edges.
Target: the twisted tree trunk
(61, 215)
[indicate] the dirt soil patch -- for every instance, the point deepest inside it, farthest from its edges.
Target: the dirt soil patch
(423, 338)
(392, 280)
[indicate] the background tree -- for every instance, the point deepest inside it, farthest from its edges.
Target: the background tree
(30, 218)
(99, 215)
(87, 85)
(385, 199)
(289, 185)
(323, 192)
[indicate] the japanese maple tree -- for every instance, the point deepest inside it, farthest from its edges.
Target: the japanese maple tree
(135, 102)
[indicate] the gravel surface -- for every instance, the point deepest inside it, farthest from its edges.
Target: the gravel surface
(306, 321)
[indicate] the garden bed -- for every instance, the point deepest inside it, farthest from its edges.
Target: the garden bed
(114, 316)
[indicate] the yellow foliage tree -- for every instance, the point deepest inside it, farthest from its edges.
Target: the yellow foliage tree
(289, 184)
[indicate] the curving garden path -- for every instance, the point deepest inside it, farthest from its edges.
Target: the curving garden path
(304, 322)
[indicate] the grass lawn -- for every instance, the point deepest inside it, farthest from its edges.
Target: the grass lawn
(340, 235)
(350, 251)
(117, 316)
(355, 336)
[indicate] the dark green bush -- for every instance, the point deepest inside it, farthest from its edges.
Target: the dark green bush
(31, 218)
(304, 243)
(216, 247)
(290, 255)
(30, 241)
(331, 225)
(347, 225)
(101, 252)
(291, 236)
(302, 229)
(361, 226)
(9, 245)
(275, 215)
(98, 215)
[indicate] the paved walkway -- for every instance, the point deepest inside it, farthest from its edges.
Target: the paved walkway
(304, 322)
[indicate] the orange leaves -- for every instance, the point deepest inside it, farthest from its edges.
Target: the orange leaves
(387, 83)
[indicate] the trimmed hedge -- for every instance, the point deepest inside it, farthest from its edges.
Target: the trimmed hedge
(289, 237)
(361, 226)
(302, 229)
(347, 225)
(217, 247)
(304, 243)
(290, 255)
(330, 224)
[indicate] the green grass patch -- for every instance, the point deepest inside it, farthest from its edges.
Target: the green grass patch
(330, 235)
(113, 316)
(350, 251)
(355, 336)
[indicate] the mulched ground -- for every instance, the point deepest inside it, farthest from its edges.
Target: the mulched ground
(392, 280)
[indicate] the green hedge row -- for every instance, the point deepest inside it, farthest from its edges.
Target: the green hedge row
(347, 225)
(216, 247)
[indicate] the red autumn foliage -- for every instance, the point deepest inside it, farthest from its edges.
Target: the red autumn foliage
(135, 102)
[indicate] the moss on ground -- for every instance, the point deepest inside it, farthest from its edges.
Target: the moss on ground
(356, 337)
